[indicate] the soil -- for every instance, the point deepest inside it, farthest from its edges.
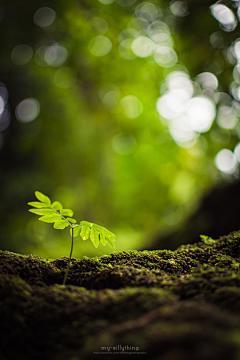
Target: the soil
(162, 304)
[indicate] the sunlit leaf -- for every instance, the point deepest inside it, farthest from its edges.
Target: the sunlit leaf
(108, 233)
(76, 231)
(50, 218)
(56, 205)
(85, 232)
(86, 223)
(94, 236)
(104, 230)
(103, 239)
(111, 243)
(60, 224)
(72, 220)
(43, 198)
(42, 211)
(98, 227)
(66, 212)
(37, 204)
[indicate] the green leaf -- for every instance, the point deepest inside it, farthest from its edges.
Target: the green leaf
(76, 231)
(104, 231)
(72, 220)
(50, 218)
(60, 224)
(43, 198)
(37, 204)
(108, 233)
(42, 211)
(85, 232)
(94, 236)
(66, 212)
(86, 223)
(98, 227)
(111, 243)
(56, 205)
(103, 239)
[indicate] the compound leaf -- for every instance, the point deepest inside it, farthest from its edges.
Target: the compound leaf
(42, 211)
(37, 204)
(60, 224)
(111, 243)
(50, 218)
(85, 232)
(103, 230)
(103, 239)
(94, 236)
(108, 233)
(72, 220)
(56, 205)
(43, 198)
(66, 212)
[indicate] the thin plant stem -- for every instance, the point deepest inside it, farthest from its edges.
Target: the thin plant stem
(69, 261)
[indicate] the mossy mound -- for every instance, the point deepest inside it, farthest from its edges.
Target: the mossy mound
(168, 305)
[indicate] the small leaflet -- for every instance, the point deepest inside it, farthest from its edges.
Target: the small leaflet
(66, 212)
(37, 204)
(85, 232)
(72, 220)
(60, 224)
(42, 211)
(103, 239)
(86, 223)
(94, 235)
(56, 205)
(43, 198)
(50, 218)
(111, 243)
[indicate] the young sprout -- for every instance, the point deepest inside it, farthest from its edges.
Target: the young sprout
(62, 218)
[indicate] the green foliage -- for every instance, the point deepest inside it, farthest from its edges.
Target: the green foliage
(54, 213)
(90, 112)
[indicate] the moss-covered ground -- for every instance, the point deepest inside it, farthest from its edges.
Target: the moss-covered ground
(166, 305)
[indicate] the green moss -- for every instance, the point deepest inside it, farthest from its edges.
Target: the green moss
(179, 304)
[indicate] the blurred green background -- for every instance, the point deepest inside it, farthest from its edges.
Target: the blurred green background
(125, 111)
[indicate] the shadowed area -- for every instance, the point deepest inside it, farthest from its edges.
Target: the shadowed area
(181, 304)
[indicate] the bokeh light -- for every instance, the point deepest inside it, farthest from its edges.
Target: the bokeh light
(100, 46)
(207, 80)
(179, 8)
(225, 16)
(226, 118)
(44, 17)
(237, 152)
(111, 101)
(2, 105)
(142, 46)
(28, 110)
(21, 54)
(188, 115)
(226, 161)
(132, 106)
(55, 55)
(165, 56)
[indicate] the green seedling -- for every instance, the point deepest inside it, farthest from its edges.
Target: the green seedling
(62, 218)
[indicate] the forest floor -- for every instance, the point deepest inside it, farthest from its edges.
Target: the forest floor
(166, 305)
